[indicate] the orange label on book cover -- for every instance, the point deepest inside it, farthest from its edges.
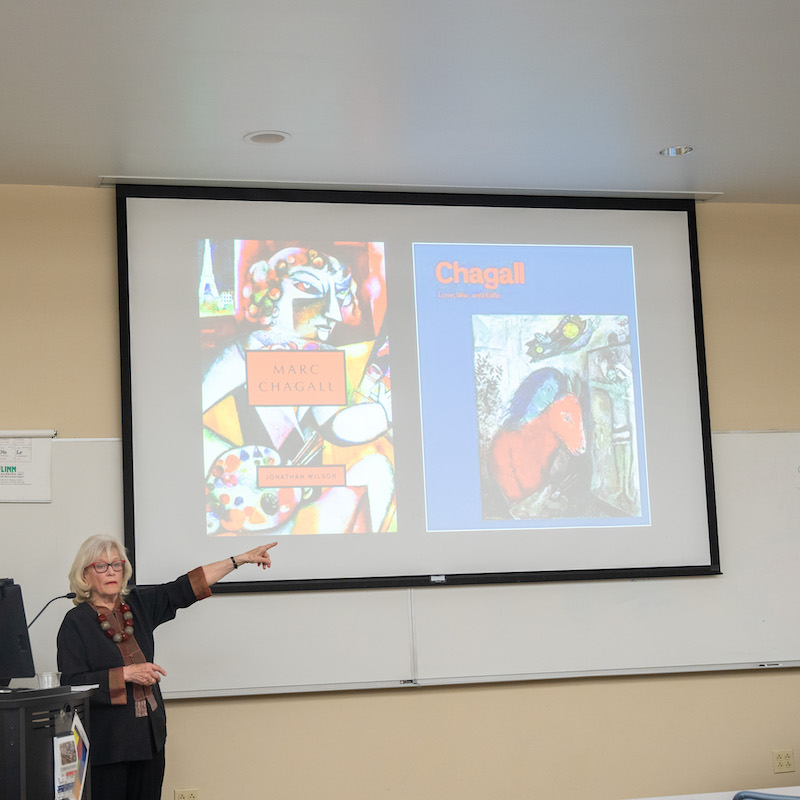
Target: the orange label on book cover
(326, 475)
(296, 378)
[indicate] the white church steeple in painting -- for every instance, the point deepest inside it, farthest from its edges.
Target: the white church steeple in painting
(208, 284)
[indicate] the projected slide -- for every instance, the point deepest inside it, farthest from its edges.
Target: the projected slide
(530, 387)
(410, 390)
(296, 386)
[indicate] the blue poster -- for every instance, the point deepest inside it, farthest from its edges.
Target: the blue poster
(530, 387)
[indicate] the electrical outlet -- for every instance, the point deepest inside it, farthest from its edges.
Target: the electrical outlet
(783, 760)
(187, 794)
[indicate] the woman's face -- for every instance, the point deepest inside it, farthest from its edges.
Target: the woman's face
(105, 585)
(312, 301)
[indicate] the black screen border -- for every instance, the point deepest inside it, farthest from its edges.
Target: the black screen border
(126, 191)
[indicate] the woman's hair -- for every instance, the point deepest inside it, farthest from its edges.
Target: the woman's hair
(97, 548)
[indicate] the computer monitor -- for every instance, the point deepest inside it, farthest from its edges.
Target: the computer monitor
(16, 658)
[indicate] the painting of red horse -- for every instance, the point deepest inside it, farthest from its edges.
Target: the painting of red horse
(521, 456)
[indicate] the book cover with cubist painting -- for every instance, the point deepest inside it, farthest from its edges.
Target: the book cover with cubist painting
(296, 387)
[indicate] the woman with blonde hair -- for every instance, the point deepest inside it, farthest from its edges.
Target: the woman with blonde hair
(107, 639)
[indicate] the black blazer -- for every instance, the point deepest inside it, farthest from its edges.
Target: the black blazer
(86, 654)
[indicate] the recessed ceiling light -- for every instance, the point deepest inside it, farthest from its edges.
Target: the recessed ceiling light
(267, 137)
(677, 150)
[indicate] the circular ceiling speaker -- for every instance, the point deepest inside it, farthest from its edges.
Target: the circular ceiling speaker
(266, 137)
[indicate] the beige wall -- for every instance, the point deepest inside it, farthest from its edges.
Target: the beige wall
(59, 359)
(750, 277)
(555, 740)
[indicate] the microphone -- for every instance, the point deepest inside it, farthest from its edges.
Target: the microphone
(67, 596)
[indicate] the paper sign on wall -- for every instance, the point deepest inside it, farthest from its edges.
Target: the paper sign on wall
(25, 459)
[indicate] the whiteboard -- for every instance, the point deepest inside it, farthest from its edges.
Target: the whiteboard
(657, 625)
(299, 641)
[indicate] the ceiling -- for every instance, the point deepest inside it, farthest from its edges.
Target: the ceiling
(524, 96)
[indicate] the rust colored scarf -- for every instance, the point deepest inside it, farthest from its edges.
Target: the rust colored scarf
(132, 654)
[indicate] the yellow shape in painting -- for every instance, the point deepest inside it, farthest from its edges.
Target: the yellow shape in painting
(571, 330)
(224, 421)
(356, 358)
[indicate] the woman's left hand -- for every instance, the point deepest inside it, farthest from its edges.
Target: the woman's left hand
(258, 555)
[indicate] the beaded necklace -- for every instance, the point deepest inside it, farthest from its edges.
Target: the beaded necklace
(127, 631)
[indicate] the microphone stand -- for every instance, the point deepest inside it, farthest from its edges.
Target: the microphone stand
(67, 596)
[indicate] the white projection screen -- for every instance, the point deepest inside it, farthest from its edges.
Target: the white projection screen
(408, 389)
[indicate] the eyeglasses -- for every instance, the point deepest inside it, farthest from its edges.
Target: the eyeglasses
(102, 566)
